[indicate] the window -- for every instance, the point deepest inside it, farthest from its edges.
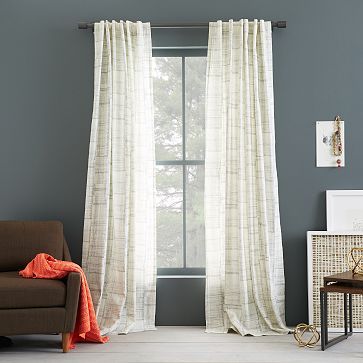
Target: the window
(179, 92)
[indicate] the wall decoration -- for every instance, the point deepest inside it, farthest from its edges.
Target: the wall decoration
(354, 259)
(327, 255)
(344, 210)
(330, 143)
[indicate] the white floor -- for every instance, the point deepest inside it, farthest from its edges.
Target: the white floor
(182, 344)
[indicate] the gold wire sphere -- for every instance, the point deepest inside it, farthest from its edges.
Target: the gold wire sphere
(310, 332)
(355, 260)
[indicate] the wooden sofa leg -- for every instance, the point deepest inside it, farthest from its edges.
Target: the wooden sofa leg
(66, 342)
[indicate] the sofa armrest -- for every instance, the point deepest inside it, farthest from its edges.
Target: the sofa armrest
(66, 254)
(73, 287)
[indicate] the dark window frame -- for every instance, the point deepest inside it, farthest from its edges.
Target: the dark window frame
(184, 162)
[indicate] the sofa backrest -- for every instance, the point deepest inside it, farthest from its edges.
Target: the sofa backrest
(20, 241)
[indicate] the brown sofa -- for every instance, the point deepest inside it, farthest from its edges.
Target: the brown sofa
(35, 306)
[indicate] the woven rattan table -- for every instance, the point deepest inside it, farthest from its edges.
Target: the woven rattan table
(345, 283)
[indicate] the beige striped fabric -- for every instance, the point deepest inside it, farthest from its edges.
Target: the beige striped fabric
(119, 246)
(245, 288)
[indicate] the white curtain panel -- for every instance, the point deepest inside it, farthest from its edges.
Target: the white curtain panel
(245, 273)
(119, 247)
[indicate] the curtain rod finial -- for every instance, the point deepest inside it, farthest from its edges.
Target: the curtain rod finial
(281, 24)
(83, 25)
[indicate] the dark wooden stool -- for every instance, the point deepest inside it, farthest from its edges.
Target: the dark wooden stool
(345, 283)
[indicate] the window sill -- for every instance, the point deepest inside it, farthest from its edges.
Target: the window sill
(181, 276)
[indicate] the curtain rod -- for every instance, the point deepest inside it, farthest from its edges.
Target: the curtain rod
(275, 24)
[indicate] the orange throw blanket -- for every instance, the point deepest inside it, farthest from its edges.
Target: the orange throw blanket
(44, 266)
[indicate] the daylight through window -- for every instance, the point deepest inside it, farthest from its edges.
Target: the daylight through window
(179, 92)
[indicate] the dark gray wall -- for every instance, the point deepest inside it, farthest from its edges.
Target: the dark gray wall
(46, 103)
(180, 301)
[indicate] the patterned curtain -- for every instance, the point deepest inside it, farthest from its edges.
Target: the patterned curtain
(244, 262)
(119, 245)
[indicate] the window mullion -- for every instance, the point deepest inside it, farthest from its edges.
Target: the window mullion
(184, 168)
(180, 162)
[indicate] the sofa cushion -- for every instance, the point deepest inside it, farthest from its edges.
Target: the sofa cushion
(17, 292)
(20, 241)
